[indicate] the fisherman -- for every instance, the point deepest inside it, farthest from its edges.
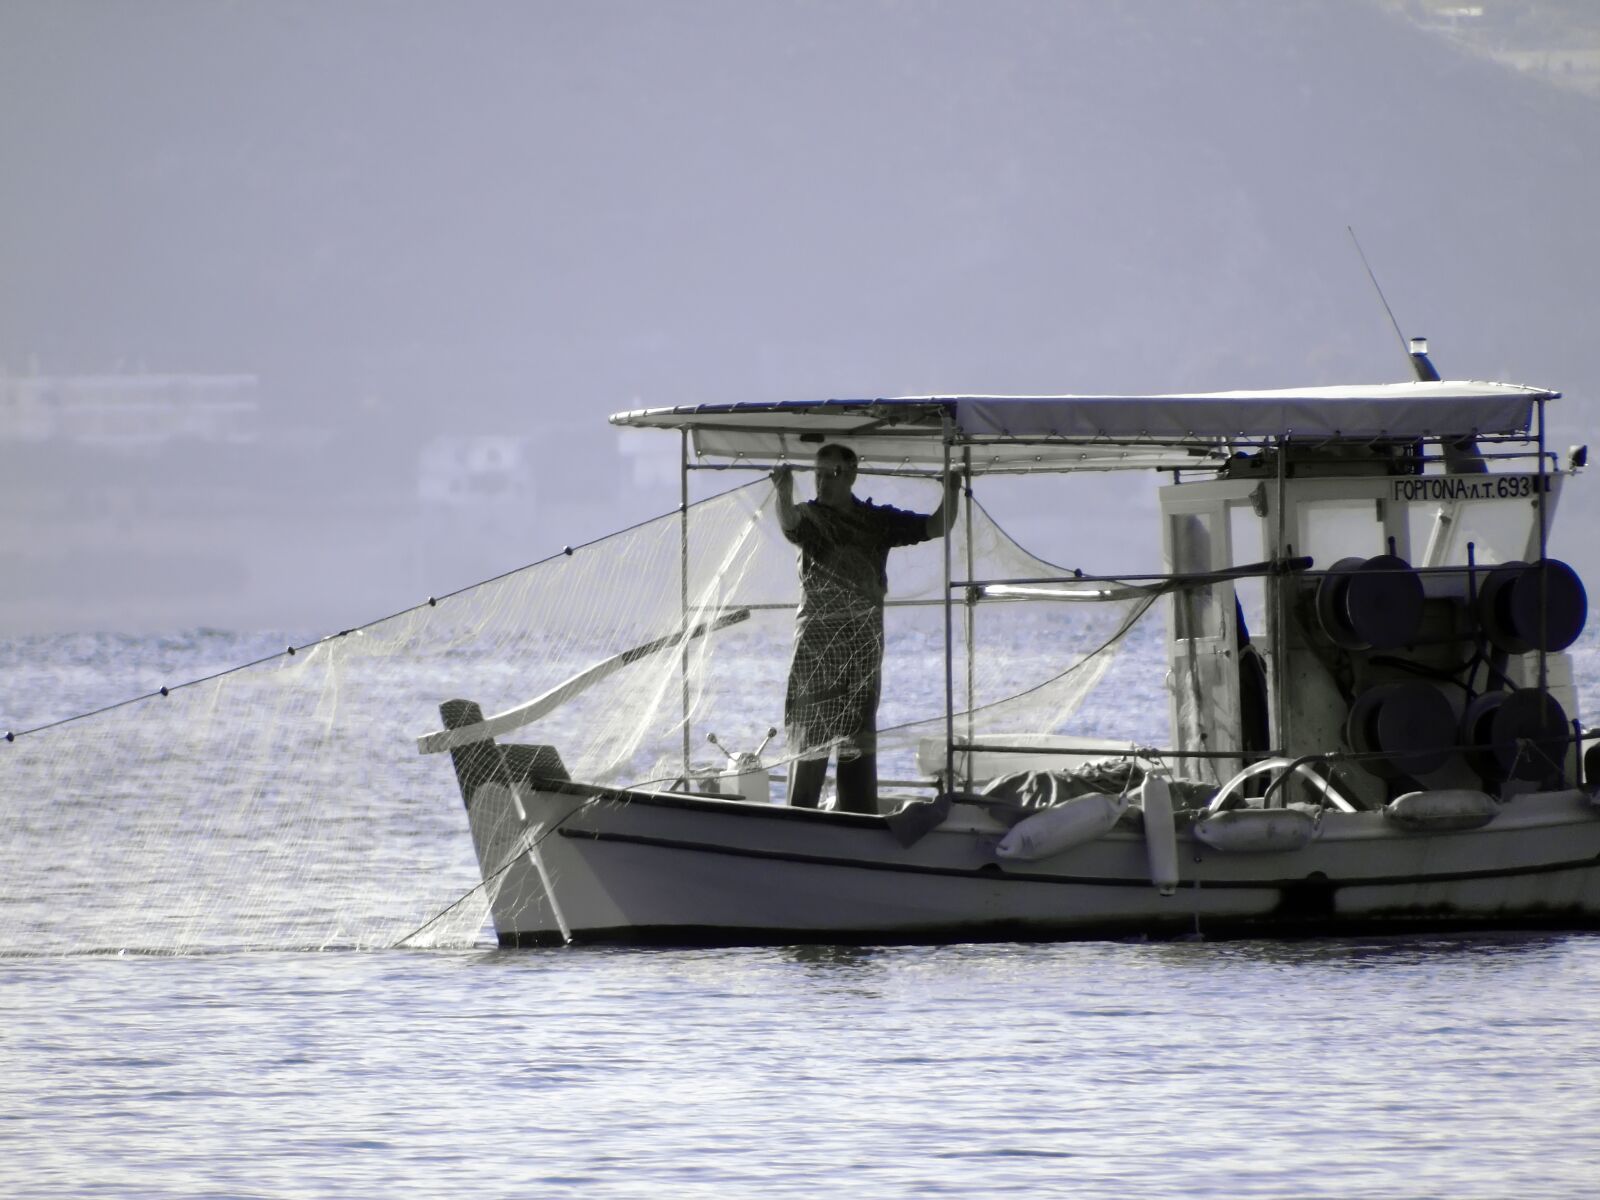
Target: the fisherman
(831, 705)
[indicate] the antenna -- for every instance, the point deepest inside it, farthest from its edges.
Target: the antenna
(1379, 290)
(1416, 350)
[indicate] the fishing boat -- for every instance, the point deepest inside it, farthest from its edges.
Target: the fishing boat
(1373, 720)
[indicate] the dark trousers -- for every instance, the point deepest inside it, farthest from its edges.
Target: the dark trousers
(857, 779)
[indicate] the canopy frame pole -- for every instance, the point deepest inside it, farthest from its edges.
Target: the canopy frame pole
(969, 608)
(1278, 581)
(1541, 508)
(949, 628)
(683, 590)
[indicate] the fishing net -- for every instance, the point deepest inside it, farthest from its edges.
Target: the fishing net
(284, 804)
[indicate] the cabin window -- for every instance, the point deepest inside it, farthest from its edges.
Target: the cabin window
(1335, 529)
(1499, 531)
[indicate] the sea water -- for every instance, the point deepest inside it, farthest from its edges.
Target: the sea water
(1403, 1067)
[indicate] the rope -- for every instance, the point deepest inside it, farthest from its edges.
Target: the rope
(12, 735)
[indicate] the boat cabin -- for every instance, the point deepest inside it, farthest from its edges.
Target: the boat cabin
(1396, 614)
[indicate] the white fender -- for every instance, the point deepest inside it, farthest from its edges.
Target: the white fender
(1443, 810)
(1256, 830)
(1160, 833)
(1070, 823)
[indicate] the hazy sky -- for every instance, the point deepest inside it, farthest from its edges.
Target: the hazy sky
(417, 222)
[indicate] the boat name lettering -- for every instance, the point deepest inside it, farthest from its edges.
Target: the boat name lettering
(1474, 487)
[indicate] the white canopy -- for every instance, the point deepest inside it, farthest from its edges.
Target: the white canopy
(1095, 432)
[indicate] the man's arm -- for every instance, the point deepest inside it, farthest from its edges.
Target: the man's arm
(940, 520)
(788, 512)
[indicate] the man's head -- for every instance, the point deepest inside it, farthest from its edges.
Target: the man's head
(836, 472)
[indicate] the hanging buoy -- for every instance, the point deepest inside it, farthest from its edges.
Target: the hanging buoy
(1160, 833)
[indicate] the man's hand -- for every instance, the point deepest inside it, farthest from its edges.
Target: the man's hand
(783, 479)
(783, 482)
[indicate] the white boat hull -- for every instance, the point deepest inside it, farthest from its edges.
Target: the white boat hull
(574, 863)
